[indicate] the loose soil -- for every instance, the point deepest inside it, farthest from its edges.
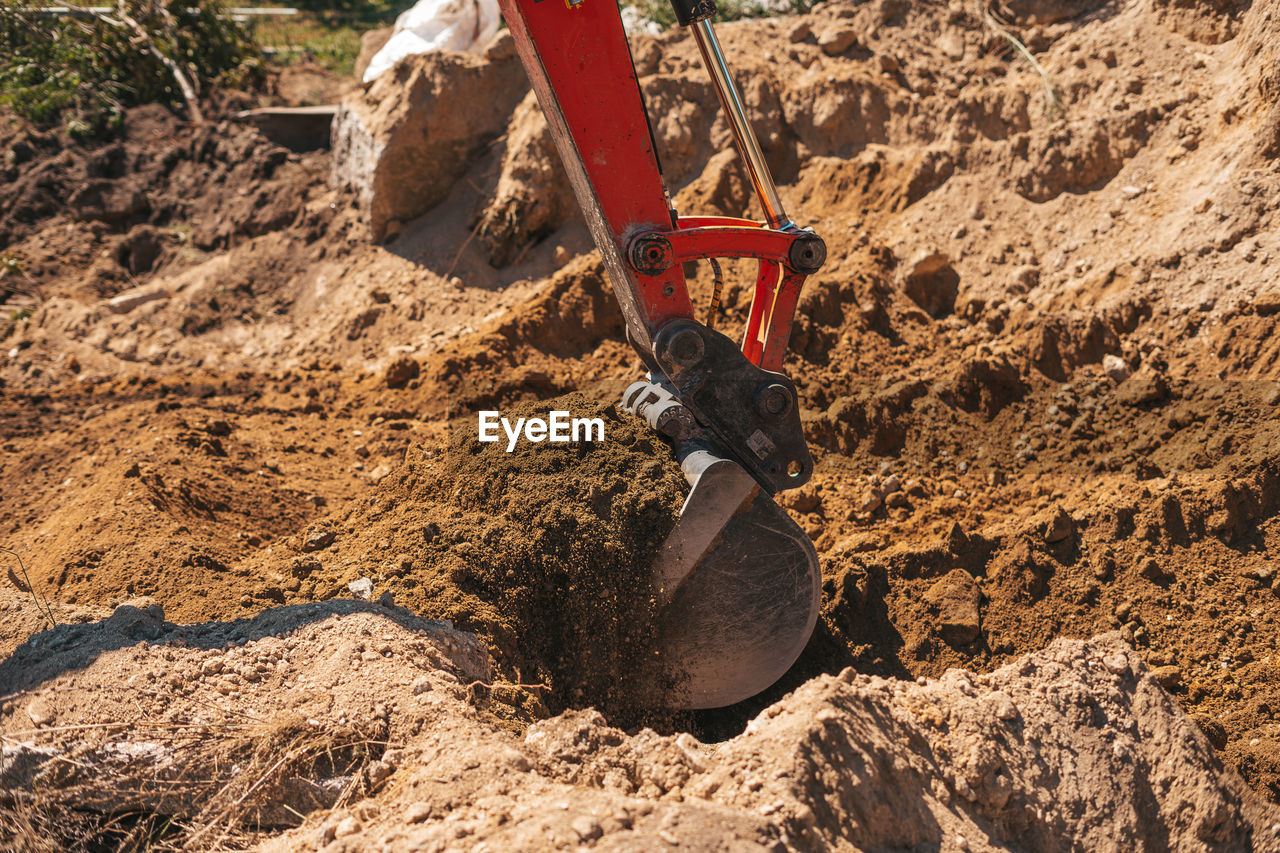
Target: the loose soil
(1038, 374)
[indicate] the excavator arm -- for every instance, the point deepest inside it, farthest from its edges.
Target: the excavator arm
(737, 579)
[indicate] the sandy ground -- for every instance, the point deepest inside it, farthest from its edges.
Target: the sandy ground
(1038, 374)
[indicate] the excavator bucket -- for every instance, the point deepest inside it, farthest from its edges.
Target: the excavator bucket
(737, 579)
(740, 588)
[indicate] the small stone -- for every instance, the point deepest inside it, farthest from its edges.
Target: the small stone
(586, 828)
(957, 539)
(888, 64)
(803, 499)
(800, 32)
(317, 539)
(417, 813)
(957, 600)
(400, 371)
(392, 230)
(870, 501)
(890, 485)
(1003, 707)
(561, 256)
(1117, 664)
(421, 685)
(1167, 677)
(1152, 570)
(347, 826)
(896, 500)
(836, 41)
(1116, 368)
(303, 567)
(1059, 527)
(1142, 390)
(379, 772)
(125, 302)
(246, 601)
(41, 712)
(1027, 276)
(1123, 609)
(212, 666)
(361, 588)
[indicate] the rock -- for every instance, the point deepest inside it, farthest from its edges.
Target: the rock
(957, 600)
(586, 828)
(349, 825)
(379, 772)
(957, 540)
(896, 500)
(421, 685)
(1167, 677)
(1116, 664)
(401, 143)
(139, 619)
(803, 499)
(1142, 390)
(41, 711)
(836, 40)
(561, 256)
(890, 485)
(932, 283)
(800, 32)
(1059, 527)
(417, 812)
(870, 501)
(317, 539)
(1002, 706)
(126, 301)
(1152, 570)
(1273, 397)
(400, 371)
(1027, 277)
(1116, 368)
(303, 567)
(1267, 303)
(361, 588)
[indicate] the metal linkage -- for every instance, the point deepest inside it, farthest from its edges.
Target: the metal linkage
(743, 136)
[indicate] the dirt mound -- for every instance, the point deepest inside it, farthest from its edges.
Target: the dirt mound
(205, 732)
(1038, 370)
(384, 740)
(545, 550)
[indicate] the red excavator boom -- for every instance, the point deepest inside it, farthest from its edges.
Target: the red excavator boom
(737, 578)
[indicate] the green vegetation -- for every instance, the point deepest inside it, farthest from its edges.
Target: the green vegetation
(328, 34)
(82, 70)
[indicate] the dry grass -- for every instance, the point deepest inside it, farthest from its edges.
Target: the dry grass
(223, 788)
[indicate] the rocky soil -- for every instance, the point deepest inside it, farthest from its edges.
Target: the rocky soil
(1038, 374)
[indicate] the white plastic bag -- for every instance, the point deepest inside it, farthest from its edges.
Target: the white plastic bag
(462, 25)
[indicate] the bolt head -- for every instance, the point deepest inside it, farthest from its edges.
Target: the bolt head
(774, 401)
(686, 348)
